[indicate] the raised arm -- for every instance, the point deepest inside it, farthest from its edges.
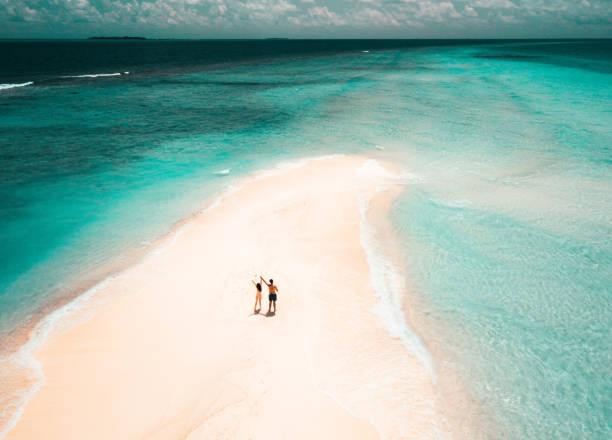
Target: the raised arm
(265, 282)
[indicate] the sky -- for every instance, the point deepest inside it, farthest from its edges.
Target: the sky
(306, 18)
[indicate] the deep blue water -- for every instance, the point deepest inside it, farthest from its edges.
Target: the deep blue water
(507, 230)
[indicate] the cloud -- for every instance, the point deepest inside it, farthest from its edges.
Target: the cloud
(244, 18)
(374, 17)
(469, 11)
(318, 16)
(494, 4)
(325, 16)
(437, 10)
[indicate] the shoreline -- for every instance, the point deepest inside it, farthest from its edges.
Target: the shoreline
(171, 239)
(20, 342)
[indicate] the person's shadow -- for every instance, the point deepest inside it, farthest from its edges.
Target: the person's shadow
(267, 314)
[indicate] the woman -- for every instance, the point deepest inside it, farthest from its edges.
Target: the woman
(257, 296)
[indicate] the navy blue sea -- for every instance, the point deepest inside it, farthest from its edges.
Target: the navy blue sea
(507, 228)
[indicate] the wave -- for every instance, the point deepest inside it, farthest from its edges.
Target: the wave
(222, 172)
(386, 279)
(13, 85)
(96, 75)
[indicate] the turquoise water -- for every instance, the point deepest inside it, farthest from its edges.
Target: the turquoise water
(506, 229)
(508, 237)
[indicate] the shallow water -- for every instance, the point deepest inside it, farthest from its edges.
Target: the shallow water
(506, 220)
(508, 237)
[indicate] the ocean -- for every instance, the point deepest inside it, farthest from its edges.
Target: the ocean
(505, 224)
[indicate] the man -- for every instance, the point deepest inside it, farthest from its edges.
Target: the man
(272, 291)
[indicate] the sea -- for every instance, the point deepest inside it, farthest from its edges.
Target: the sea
(505, 225)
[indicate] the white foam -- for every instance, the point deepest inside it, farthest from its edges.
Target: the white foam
(13, 85)
(94, 75)
(222, 172)
(388, 283)
(365, 51)
(371, 169)
(459, 203)
(379, 147)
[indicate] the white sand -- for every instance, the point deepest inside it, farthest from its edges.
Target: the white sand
(175, 351)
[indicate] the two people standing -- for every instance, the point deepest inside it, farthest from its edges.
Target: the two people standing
(272, 295)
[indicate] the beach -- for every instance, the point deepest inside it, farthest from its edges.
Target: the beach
(171, 347)
(437, 215)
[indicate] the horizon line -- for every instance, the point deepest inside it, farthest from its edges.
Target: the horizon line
(139, 38)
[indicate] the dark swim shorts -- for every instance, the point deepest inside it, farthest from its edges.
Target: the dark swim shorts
(272, 297)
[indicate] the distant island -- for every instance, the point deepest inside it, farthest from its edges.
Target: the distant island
(117, 38)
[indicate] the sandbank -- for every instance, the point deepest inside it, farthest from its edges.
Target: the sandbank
(171, 348)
